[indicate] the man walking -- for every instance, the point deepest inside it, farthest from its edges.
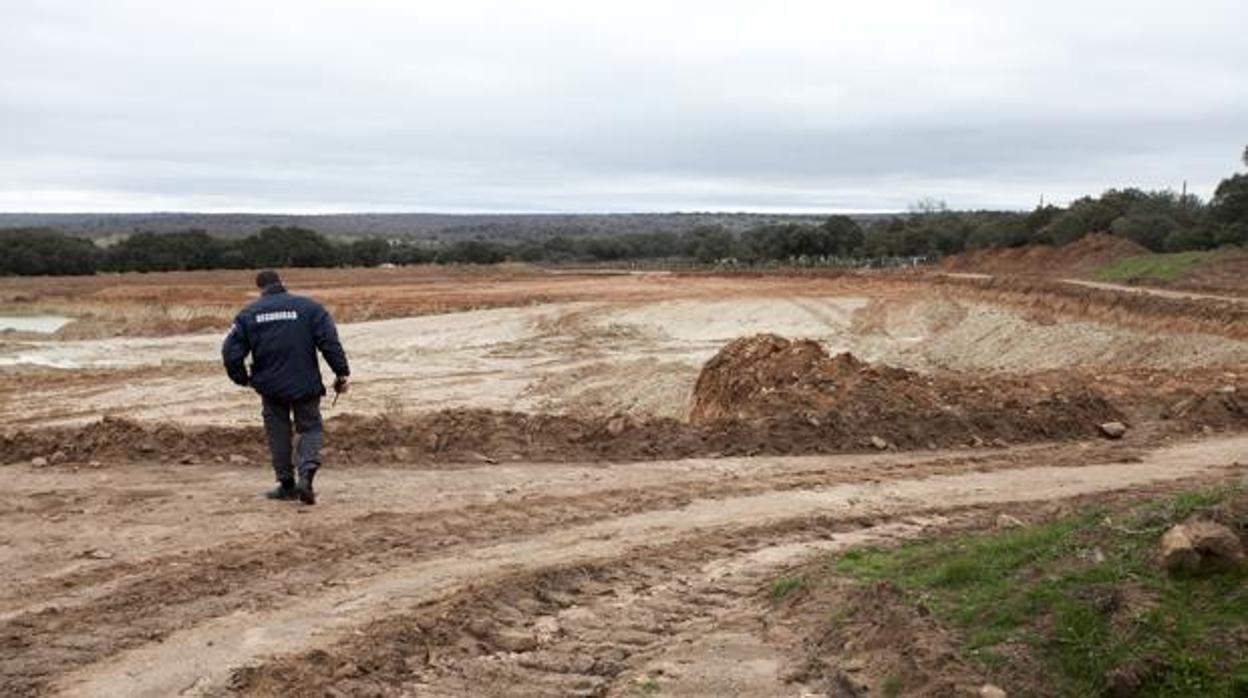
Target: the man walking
(283, 332)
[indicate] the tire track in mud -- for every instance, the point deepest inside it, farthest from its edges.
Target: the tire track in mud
(81, 617)
(203, 654)
(689, 618)
(376, 537)
(644, 486)
(574, 630)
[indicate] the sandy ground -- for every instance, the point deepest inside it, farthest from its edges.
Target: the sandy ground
(533, 579)
(640, 358)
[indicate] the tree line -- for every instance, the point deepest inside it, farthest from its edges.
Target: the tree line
(1157, 220)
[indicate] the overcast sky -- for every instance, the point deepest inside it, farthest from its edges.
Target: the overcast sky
(304, 106)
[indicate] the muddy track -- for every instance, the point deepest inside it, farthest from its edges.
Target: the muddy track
(130, 603)
(284, 598)
(690, 618)
(578, 629)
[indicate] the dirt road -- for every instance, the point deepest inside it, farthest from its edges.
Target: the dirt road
(1118, 288)
(1158, 292)
(156, 581)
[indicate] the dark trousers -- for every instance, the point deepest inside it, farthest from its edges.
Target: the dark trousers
(307, 424)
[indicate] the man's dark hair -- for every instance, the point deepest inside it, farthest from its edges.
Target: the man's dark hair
(268, 277)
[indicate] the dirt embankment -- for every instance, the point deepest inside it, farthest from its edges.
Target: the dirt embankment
(1226, 273)
(1050, 301)
(1081, 258)
(486, 436)
(762, 395)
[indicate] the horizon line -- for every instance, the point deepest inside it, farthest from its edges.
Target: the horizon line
(677, 212)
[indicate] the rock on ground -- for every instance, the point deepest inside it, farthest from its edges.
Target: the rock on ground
(1200, 546)
(1114, 430)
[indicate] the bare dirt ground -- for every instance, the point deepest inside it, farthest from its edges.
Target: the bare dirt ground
(535, 494)
(631, 344)
(1224, 276)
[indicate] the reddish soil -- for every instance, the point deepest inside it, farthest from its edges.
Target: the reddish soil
(1083, 257)
(1225, 274)
(163, 304)
(1052, 301)
(768, 377)
(761, 395)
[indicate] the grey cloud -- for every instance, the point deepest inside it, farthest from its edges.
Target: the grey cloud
(596, 106)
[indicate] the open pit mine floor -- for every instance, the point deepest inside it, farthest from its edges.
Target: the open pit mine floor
(556, 484)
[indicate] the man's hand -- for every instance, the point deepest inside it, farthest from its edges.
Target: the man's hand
(341, 383)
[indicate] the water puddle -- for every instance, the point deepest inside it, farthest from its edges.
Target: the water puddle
(44, 324)
(39, 360)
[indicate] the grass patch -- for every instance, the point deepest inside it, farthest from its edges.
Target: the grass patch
(1085, 596)
(647, 687)
(1157, 267)
(784, 586)
(891, 687)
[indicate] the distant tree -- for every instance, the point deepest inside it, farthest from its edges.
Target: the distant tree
(845, 236)
(1038, 220)
(1091, 214)
(939, 232)
(368, 252)
(411, 253)
(710, 243)
(1229, 204)
(1152, 219)
(289, 246)
(1233, 234)
(178, 251)
(473, 252)
(559, 248)
(651, 244)
(42, 251)
(998, 230)
(606, 249)
(885, 238)
(1193, 237)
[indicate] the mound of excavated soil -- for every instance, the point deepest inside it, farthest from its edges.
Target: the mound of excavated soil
(776, 380)
(765, 376)
(1083, 257)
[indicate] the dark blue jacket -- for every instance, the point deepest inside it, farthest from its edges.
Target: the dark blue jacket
(282, 332)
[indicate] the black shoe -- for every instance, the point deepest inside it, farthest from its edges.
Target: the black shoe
(284, 491)
(304, 489)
